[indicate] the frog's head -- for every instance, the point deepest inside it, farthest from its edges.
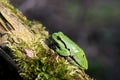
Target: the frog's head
(83, 62)
(79, 60)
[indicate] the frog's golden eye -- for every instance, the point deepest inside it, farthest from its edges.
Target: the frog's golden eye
(83, 55)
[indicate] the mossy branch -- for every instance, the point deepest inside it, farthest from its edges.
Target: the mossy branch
(26, 42)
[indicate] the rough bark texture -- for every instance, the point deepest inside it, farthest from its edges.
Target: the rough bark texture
(24, 53)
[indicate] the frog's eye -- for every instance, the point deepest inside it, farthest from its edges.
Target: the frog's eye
(68, 49)
(83, 56)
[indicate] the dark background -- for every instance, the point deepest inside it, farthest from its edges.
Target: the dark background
(93, 24)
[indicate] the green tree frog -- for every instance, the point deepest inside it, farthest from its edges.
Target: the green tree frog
(65, 47)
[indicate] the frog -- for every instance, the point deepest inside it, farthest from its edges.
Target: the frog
(67, 48)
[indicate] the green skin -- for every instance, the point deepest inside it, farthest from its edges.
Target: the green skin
(67, 48)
